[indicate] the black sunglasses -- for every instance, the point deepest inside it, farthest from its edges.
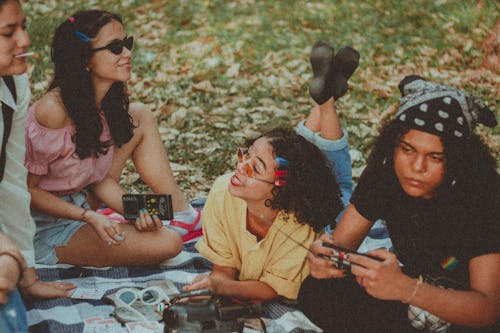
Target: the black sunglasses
(117, 46)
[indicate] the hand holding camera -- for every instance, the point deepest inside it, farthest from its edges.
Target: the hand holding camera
(336, 265)
(340, 256)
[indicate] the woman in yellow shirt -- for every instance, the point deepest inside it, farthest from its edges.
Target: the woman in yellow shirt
(259, 220)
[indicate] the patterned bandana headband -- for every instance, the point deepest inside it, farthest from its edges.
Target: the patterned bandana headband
(441, 110)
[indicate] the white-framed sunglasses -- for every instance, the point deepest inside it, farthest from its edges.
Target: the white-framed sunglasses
(154, 295)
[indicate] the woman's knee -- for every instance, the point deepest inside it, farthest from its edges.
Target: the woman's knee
(142, 116)
(166, 244)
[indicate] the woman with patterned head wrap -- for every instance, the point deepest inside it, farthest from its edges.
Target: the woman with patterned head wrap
(436, 185)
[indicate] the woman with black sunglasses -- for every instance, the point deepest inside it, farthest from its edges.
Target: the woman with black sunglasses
(79, 136)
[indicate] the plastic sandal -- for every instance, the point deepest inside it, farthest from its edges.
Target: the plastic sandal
(187, 231)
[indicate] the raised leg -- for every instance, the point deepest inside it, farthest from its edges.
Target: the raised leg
(324, 119)
(150, 158)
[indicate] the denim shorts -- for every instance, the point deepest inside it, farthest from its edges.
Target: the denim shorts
(13, 314)
(52, 232)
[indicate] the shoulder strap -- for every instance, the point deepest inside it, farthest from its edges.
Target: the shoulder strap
(7, 113)
(9, 81)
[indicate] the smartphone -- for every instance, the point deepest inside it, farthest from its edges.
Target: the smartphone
(339, 253)
(155, 204)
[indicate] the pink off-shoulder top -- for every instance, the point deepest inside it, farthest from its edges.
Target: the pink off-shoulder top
(51, 153)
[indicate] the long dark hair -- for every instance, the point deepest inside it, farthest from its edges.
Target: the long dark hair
(70, 55)
(471, 178)
(311, 192)
(2, 2)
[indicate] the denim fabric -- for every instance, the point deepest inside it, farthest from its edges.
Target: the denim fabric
(337, 152)
(52, 232)
(13, 314)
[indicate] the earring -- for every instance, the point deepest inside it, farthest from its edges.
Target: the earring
(453, 182)
(384, 162)
(87, 69)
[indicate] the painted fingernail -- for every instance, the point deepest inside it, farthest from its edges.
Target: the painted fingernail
(110, 244)
(118, 237)
(136, 219)
(154, 217)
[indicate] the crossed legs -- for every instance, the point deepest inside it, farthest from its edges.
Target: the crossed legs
(324, 119)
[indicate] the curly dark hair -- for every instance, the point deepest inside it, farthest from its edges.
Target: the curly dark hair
(311, 192)
(471, 177)
(70, 56)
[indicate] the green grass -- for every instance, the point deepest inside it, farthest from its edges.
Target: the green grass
(254, 56)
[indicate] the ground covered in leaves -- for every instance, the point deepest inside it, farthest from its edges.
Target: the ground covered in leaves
(215, 72)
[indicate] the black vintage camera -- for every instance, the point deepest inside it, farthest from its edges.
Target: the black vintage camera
(155, 204)
(339, 256)
(214, 315)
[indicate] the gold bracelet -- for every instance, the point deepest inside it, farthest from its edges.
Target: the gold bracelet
(419, 282)
(20, 263)
(82, 217)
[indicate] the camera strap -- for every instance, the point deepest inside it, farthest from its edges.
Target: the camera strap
(7, 113)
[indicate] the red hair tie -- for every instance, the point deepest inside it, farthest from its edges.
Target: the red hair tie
(71, 19)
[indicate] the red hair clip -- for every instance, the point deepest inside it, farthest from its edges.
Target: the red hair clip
(280, 173)
(71, 19)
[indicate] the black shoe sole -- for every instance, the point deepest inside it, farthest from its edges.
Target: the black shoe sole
(321, 57)
(331, 72)
(345, 63)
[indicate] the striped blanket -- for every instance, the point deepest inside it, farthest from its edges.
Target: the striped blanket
(68, 315)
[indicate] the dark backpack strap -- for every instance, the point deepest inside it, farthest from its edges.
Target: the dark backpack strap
(7, 113)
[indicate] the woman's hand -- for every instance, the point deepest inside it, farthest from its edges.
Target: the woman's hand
(204, 281)
(9, 275)
(12, 265)
(381, 279)
(107, 229)
(32, 287)
(41, 289)
(146, 222)
(322, 268)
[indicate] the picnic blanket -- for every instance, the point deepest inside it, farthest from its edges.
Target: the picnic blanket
(68, 314)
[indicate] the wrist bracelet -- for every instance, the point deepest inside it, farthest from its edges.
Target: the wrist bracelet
(82, 217)
(26, 287)
(20, 263)
(419, 282)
